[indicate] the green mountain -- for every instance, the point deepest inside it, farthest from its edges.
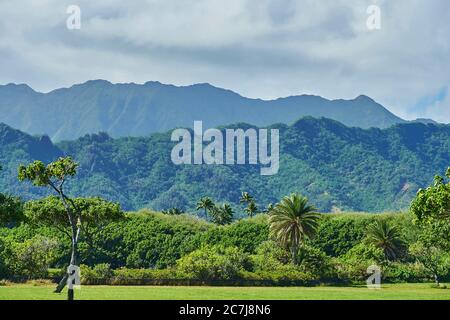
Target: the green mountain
(337, 167)
(124, 110)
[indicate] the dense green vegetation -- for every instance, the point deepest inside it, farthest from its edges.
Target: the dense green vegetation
(149, 247)
(336, 167)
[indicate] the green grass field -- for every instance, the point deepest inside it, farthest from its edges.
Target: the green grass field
(388, 292)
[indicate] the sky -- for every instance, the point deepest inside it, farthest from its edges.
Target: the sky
(258, 48)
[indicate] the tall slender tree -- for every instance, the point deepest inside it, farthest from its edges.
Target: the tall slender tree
(251, 209)
(54, 176)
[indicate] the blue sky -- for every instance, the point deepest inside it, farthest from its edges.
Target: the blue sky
(436, 99)
(258, 48)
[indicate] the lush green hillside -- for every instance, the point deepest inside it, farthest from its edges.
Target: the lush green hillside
(125, 110)
(337, 167)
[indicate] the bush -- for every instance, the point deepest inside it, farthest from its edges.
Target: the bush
(315, 262)
(337, 234)
(270, 256)
(213, 263)
(103, 274)
(434, 260)
(404, 272)
(29, 259)
(286, 275)
(246, 234)
(353, 265)
(125, 276)
(100, 272)
(147, 240)
(272, 259)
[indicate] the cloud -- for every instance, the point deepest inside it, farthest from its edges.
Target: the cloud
(259, 48)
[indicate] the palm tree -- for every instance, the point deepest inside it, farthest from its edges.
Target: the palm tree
(251, 209)
(245, 198)
(222, 215)
(291, 221)
(387, 237)
(206, 204)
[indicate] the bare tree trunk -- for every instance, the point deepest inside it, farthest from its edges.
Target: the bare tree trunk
(62, 283)
(73, 257)
(73, 260)
(294, 251)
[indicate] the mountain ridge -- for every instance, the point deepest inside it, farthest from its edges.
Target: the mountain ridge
(130, 109)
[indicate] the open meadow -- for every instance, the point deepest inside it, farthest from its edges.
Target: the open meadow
(387, 292)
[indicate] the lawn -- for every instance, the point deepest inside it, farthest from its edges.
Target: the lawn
(389, 292)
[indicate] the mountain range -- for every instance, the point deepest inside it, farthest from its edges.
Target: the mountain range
(123, 110)
(337, 167)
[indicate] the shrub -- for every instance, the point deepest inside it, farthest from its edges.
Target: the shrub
(404, 272)
(99, 273)
(246, 234)
(315, 262)
(353, 265)
(29, 259)
(337, 234)
(287, 275)
(270, 256)
(213, 263)
(147, 240)
(125, 276)
(435, 260)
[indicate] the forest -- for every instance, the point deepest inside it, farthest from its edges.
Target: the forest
(338, 168)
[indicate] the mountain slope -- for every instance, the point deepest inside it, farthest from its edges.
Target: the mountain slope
(337, 167)
(16, 148)
(138, 110)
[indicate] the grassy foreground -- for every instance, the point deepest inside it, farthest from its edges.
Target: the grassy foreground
(388, 292)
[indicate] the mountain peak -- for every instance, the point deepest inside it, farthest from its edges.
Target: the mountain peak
(202, 85)
(19, 88)
(364, 98)
(96, 82)
(425, 121)
(153, 83)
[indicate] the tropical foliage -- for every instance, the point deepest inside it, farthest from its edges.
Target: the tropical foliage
(336, 167)
(292, 221)
(386, 237)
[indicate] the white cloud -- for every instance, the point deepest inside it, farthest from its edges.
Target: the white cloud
(259, 48)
